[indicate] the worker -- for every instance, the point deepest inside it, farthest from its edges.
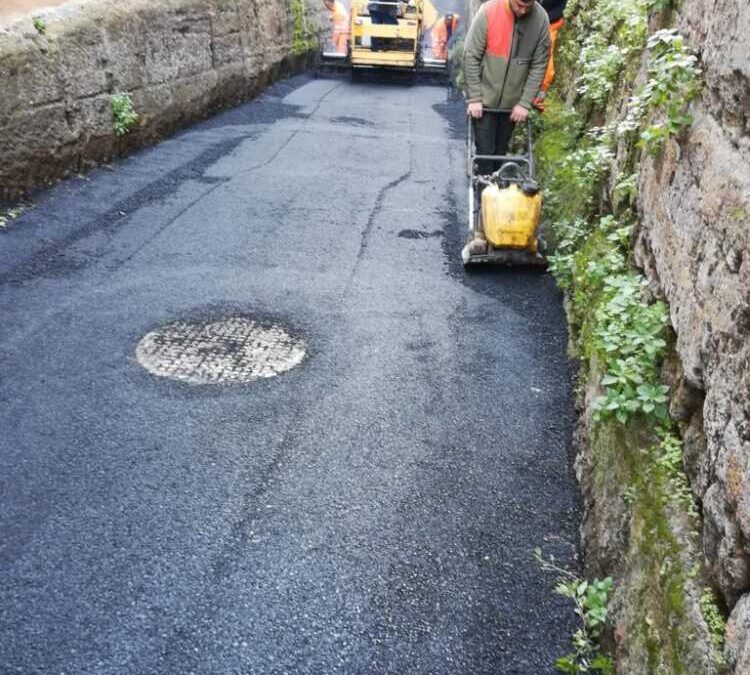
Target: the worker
(339, 18)
(555, 10)
(383, 13)
(505, 57)
(441, 34)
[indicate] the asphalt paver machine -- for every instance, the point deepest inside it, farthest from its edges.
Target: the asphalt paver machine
(504, 208)
(386, 35)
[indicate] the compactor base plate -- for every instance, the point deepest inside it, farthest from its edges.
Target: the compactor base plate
(504, 257)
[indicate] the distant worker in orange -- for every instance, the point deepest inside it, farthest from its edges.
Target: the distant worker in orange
(555, 10)
(339, 25)
(441, 34)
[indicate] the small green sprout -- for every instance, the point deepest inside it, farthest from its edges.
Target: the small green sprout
(123, 114)
(40, 24)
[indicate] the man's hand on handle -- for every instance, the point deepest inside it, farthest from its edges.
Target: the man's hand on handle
(475, 109)
(518, 114)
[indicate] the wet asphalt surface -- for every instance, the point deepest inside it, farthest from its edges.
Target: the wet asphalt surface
(373, 510)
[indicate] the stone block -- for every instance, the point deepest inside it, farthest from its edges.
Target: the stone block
(738, 628)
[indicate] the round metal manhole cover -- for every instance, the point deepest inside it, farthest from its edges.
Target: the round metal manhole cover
(236, 349)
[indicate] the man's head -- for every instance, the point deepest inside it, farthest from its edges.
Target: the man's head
(521, 7)
(451, 24)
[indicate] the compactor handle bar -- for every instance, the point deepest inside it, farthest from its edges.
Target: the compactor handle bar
(527, 159)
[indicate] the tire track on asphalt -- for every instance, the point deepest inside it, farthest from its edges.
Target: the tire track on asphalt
(214, 187)
(293, 134)
(378, 207)
(116, 266)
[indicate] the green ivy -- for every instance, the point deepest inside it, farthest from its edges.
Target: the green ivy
(715, 621)
(620, 333)
(570, 235)
(39, 24)
(616, 326)
(612, 33)
(123, 114)
(628, 341)
(626, 190)
(591, 600)
(572, 167)
(666, 459)
(673, 81)
(608, 39)
(303, 37)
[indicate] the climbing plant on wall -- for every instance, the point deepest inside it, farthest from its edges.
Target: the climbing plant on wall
(631, 78)
(303, 35)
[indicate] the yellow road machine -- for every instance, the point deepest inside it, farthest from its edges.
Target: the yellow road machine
(504, 209)
(385, 35)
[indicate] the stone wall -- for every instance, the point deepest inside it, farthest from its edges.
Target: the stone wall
(667, 537)
(694, 245)
(179, 59)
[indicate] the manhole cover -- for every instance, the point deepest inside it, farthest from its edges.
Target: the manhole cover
(236, 349)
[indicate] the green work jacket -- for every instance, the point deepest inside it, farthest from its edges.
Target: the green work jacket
(505, 57)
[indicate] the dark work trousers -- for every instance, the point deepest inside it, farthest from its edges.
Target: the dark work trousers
(491, 137)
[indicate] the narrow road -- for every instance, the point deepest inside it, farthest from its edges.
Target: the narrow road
(373, 509)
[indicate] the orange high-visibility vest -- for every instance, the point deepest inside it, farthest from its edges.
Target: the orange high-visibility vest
(340, 21)
(500, 22)
(440, 34)
(549, 75)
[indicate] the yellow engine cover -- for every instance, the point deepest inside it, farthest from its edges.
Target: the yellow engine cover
(510, 217)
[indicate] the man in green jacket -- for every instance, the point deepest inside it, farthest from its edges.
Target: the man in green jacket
(505, 58)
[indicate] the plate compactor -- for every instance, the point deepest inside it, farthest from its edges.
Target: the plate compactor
(504, 209)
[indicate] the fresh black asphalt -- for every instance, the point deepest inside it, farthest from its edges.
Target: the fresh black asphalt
(373, 510)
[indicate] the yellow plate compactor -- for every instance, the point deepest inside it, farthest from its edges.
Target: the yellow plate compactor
(504, 220)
